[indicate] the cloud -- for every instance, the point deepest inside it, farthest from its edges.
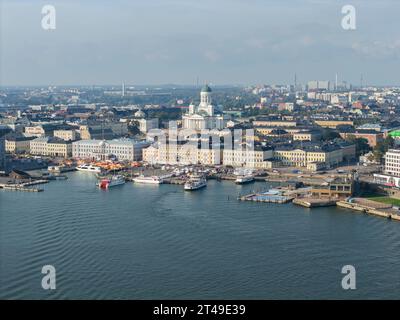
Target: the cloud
(211, 55)
(377, 49)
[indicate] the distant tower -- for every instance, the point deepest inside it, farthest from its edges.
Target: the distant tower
(295, 82)
(336, 82)
(123, 89)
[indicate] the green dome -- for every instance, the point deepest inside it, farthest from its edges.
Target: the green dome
(206, 88)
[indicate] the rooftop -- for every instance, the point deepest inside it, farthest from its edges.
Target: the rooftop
(122, 142)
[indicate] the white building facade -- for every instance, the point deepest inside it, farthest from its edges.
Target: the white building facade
(248, 158)
(122, 149)
(392, 162)
(186, 154)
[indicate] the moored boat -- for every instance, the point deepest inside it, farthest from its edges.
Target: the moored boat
(88, 168)
(148, 180)
(111, 182)
(244, 179)
(195, 183)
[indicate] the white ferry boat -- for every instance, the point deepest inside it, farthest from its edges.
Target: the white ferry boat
(88, 168)
(195, 183)
(244, 179)
(111, 182)
(148, 180)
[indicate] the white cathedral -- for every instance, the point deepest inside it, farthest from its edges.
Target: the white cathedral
(203, 116)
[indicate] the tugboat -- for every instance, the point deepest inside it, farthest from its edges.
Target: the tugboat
(111, 182)
(195, 183)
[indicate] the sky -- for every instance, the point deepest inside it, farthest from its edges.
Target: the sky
(217, 41)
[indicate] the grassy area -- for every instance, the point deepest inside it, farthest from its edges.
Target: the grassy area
(388, 200)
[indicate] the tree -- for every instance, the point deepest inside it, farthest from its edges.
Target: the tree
(329, 135)
(382, 147)
(362, 146)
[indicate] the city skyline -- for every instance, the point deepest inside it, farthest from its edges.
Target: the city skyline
(229, 42)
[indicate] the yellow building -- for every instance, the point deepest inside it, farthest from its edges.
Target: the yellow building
(274, 123)
(17, 144)
(306, 136)
(267, 130)
(305, 157)
(59, 149)
(67, 135)
(332, 124)
(53, 147)
(338, 188)
(106, 130)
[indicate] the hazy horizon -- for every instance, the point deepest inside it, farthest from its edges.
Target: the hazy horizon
(226, 42)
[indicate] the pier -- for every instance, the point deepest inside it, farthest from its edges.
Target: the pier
(371, 207)
(20, 188)
(26, 186)
(314, 202)
(266, 197)
(33, 183)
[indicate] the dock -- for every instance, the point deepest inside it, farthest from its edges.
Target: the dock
(269, 198)
(314, 202)
(26, 186)
(371, 207)
(33, 183)
(20, 188)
